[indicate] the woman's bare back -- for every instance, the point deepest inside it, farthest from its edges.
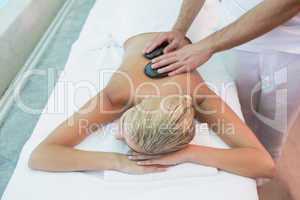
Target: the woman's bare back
(130, 82)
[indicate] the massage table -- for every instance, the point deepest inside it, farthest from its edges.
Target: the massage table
(92, 60)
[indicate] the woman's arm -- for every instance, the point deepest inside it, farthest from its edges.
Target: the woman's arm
(247, 157)
(56, 153)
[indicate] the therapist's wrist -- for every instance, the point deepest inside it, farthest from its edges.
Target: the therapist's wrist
(180, 29)
(208, 44)
(205, 50)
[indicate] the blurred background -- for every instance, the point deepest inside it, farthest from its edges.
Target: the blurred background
(33, 37)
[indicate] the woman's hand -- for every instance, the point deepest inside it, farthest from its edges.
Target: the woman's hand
(176, 40)
(165, 160)
(131, 167)
(183, 60)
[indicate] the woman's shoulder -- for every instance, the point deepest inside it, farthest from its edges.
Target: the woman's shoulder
(140, 39)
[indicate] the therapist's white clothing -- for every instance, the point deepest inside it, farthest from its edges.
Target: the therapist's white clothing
(269, 91)
(268, 76)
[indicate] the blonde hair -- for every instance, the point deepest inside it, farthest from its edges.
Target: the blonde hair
(160, 124)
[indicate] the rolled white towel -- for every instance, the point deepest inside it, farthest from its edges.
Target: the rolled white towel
(185, 170)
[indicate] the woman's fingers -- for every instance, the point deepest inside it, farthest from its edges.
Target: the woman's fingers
(148, 162)
(142, 157)
(151, 169)
(155, 161)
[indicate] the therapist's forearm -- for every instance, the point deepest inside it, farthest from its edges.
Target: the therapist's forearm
(248, 162)
(258, 21)
(188, 12)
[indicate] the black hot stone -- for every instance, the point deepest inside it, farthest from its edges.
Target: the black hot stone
(152, 73)
(156, 52)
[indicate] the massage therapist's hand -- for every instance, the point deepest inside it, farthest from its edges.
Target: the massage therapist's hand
(183, 60)
(175, 38)
(131, 167)
(167, 159)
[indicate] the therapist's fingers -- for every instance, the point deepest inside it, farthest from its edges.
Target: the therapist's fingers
(182, 69)
(155, 43)
(170, 68)
(165, 62)
(172, 46)
(149, 44)
(165, 56)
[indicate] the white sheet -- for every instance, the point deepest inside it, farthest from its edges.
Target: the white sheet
(100, 49)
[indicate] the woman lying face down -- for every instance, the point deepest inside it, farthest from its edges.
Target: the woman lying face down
(158, 125)
(157, 122)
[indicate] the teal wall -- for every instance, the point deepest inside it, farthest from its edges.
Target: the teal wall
(22, 24)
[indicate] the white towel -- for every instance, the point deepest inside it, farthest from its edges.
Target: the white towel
(185, 170)
(104, 140)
